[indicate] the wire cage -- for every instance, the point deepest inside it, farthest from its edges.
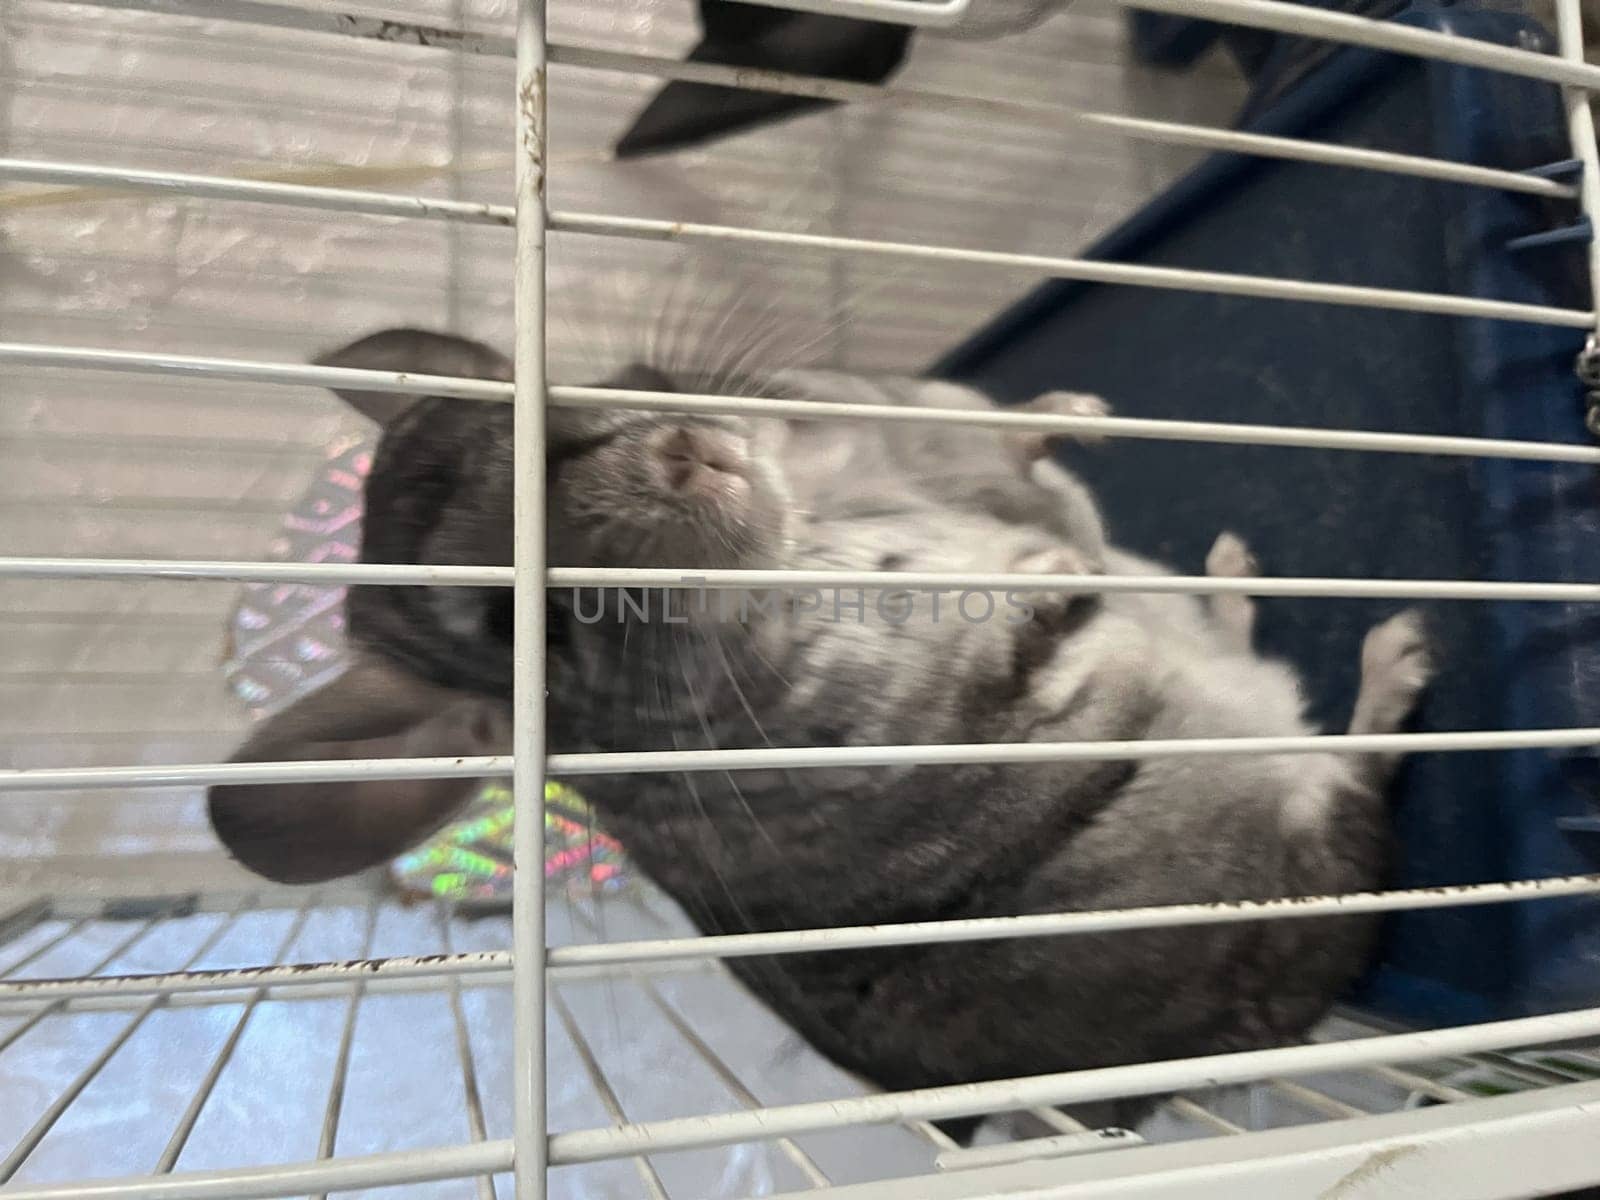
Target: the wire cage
(286, 1043)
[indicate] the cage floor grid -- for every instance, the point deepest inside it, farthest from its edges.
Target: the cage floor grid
(127, 1085)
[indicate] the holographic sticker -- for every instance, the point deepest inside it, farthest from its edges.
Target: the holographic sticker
(577, 854)
(470, 860)
(287, 640)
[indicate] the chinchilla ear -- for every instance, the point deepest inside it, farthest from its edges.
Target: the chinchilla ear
(419, 351)
(312, 832)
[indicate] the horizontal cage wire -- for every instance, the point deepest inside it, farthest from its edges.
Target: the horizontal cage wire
(566, 396)
(577, 961)
(1444, 1067)
(1327, 1106)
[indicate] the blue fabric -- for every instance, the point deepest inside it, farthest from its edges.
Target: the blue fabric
(1462, 818)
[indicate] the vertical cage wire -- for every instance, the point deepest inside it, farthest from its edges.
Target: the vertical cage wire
(1580, 127)
(1318, 1102)
(727, 1076)
(529, 1116)
(654, 1188)
(44, 947)
(224, 1055)
(719, 1066)
(469, 1067)
(46, 1121)
(329, 1136)
(22, 917)
(139, 933)
(1188, 1110)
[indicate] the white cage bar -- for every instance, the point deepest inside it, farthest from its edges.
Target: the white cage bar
(328, 1137)
(530, 1125)
(132, 181)
(1580, 126)
(723, 580)
(1089, 270)
(568, 396)
(573, 961)
(224, 1054)
(794, 758)
(1009, 1095)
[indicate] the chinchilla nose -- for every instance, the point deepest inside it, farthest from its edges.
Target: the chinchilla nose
(699, 458)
